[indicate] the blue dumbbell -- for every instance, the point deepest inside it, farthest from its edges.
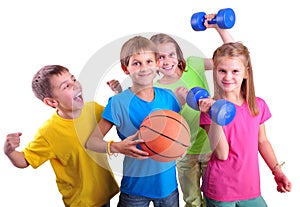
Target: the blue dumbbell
(225, 19)
(222, 112)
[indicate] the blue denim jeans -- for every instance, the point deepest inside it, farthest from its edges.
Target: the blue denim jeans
(126, 200)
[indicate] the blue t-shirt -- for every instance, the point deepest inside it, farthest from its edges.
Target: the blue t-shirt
(148, 178)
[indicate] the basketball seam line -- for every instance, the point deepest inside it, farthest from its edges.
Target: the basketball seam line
(157, 153)
(165, 136)
(171, 118)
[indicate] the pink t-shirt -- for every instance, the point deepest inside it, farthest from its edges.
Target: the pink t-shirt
(237, 178)
(204, 119)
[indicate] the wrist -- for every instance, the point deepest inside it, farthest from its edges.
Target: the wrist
(110, 149)
(277, 168)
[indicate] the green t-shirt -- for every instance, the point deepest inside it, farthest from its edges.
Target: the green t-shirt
(83, 177)
(193, 76)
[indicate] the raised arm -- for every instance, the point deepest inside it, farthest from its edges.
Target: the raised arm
(224, 34)
(11, 143)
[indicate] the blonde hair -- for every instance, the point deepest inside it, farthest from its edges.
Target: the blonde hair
(162, 38)
(237, 49)
(136, 45)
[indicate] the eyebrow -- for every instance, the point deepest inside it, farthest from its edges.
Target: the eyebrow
(60, 85)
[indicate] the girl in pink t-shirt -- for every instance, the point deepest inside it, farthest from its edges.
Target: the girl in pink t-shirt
(232, 175)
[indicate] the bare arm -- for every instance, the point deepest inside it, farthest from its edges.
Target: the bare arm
(11, 143)
(218, 141)
(95, 141)
(266, 151)
(127, 146)
(224, 34)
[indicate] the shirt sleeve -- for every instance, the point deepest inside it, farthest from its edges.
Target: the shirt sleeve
(38, 151)
(263, 110)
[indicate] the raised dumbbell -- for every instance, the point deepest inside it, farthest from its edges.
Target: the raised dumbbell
(225, 19)
(221, 112)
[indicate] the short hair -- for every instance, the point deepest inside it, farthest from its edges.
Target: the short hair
(162, 38)
(136, 45)
(41, 85)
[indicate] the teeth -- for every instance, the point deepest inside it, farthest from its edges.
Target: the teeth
(169, 68)
(78, 95)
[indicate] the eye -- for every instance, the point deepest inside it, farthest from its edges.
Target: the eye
(136, 63)
(66, 86)
(173, 55)
(221, 71)
(149, 61)
(73, 78)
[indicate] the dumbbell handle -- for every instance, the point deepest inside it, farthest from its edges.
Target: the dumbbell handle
(213, 21)
(222, 112)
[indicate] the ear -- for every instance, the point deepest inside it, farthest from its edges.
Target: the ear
(50, 102)
(124, 68)
(158, 62)
(246, 73)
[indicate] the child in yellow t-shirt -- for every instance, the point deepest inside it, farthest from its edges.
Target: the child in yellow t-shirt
(83, 177)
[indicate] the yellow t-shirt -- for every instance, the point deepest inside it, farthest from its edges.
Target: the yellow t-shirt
(83, 177)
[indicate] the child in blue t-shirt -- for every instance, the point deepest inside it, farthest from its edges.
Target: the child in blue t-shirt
(144, 180)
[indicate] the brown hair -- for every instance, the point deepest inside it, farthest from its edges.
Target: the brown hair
(40, 84)
(162, 38)
(136, 45)
(237, 49)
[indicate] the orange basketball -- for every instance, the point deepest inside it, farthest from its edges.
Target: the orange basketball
(166, 135)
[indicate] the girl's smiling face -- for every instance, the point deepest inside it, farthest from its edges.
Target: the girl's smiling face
(230, 73)
(168, 62)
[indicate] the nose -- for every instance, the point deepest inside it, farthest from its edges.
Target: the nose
(227, 76)
(145, 67)
(76, 85)
(166, 60)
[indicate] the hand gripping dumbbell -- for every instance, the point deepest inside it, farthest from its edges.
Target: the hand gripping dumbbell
(225, 19)
(221, 112)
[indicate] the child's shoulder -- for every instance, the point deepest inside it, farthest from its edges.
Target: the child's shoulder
(260, 100)
(93, 107)
(194, 61)
(93, 104)
(163, 90)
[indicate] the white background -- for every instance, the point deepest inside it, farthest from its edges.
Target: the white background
(37, 33)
